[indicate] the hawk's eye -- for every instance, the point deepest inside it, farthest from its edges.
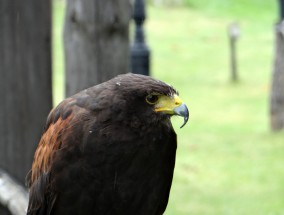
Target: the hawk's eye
(152, 99)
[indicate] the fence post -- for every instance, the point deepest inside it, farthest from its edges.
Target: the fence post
(277, 88)
(234, 33)
(140, 53)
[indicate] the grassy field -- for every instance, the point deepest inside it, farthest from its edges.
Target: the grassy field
(228, 160)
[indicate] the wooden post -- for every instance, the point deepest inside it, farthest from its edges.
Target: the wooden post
(140, 54)
(277, 90)
(25, 82)
(96, 42)
(234, 33)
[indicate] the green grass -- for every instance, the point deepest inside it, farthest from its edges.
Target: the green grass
(252, 9)
(228, 161)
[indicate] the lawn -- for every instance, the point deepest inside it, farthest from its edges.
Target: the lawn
(228, 160)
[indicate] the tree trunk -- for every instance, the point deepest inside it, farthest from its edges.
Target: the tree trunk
(277, 93)
(96, 42)
(25, 81)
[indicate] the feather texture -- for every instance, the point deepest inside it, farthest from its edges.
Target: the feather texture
(105, 151)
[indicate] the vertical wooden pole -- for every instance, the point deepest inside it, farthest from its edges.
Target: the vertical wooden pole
(96, 42)
(277, 90)
(234, 76)
(25, 81)
(234, 33)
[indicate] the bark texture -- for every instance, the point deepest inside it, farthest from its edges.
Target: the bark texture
(25, 81)
(96, 42)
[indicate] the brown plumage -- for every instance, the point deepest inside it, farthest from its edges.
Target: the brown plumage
(109, 149)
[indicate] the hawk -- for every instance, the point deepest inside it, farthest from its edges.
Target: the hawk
(108, 150)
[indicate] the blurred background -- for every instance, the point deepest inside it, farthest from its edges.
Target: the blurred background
(228, 160)
(221, 55)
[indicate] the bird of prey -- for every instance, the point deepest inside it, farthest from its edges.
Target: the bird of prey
(108, 150)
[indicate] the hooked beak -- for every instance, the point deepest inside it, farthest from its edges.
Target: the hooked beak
(172, 106)
(182, 111)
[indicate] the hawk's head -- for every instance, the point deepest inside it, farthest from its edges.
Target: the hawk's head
(147, 97)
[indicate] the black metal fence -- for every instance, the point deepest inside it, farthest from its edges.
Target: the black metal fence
(140, 53)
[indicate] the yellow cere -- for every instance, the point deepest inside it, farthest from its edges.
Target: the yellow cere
(167, 104)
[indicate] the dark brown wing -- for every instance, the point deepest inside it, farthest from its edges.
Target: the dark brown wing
(105, 151)
(61, 123)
